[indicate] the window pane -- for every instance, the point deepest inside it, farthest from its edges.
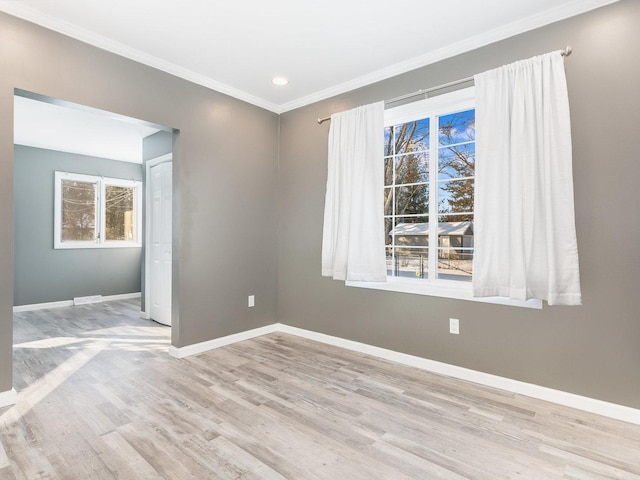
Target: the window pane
(119, 221)
(388, 171)
(388, 201)
(388, 226)
(455, 234)
(457, 128)
(455, 248)
(408, 262)
(455, 196)
(410, 231)
(412, 136)
(388, 141)
(457, 161)
(78, 211)
(412, 168)
(411, 200)
(455, 264)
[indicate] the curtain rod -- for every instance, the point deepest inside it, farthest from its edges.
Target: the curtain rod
(565, 53)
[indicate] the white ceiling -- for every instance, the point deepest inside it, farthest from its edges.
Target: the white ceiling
(77, 130)
(324, 47)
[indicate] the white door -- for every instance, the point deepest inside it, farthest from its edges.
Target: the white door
(160, 243)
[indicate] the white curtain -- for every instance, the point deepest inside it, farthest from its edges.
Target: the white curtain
(353, 235)
(525, 240)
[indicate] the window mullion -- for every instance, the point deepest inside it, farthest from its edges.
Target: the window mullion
(433, 197)
(100, 209)
(393, 205)
(137, 208)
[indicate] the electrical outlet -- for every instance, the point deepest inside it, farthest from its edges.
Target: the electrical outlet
(252, 300)
(454, 326)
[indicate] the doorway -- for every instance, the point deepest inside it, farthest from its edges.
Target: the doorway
(89, 142)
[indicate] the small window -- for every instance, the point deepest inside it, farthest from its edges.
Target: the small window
(96, 212)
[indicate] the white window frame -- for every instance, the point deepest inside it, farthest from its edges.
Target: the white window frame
(441, 105)
(101, 184)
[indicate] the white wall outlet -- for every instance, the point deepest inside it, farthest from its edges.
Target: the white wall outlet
(454, 326)
(252, 300)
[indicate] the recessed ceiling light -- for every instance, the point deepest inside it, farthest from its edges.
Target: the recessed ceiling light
(280, 81)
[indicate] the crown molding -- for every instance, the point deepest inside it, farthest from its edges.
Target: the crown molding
(29, 14)
(532, 22)
(547, 17)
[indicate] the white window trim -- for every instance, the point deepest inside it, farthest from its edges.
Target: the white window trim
(101, 182)
(441, 288)
(459, 100)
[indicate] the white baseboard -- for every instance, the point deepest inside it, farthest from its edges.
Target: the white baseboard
(572, 400)
(202, 347)
(121, 296)
(592, 405)
(42, 306)
(8, 398)
(69, 303)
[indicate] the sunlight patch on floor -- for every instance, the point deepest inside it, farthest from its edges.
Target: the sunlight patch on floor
(41, 388)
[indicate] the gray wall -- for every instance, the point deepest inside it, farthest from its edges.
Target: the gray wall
(592, 350)
(156, 145)
(40, 272)
(224, 179)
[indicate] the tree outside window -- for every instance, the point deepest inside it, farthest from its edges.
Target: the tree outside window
(78, 211)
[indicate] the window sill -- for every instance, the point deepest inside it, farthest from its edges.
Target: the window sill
(443, 288)
(82, 245)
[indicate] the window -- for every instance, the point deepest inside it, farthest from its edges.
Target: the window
(428, 192)
(96, 212)
(429, 165)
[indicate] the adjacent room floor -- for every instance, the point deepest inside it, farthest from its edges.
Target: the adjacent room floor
(99, 397)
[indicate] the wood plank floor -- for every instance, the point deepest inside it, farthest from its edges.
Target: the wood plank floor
(100, 398)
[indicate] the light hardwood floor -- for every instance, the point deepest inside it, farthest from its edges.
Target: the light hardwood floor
(99, 397)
